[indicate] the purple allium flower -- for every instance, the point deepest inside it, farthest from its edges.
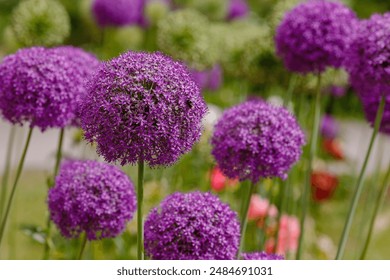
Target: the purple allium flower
(208, 79)
(261, 256)
(91, 197)
(192, 226)
(84, 66)
(370, 107)
(315, 35)
(143, 106)
(255, 139)
(118, 12)
(337, 91)
(368, 58)
(237, 9)
(42, 86)
(328, 128)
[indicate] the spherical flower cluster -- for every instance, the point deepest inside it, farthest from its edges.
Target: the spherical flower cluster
(255, 139)
(40, 22)
(42, 86)
(261, 256)
(237, 9)
(209, 79)
(118, 12)
(156, 10)
(368, 58)
(143, 106)
(371, 106)
(192, 226)
(84, 66)
(186, 36)
(91, 197)
(315, 35)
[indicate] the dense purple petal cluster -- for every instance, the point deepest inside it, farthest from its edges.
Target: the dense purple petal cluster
(237, 9)
(256, 139)
(118, 12)
(42, 86)
(192, 226)
(91, 197)
(143, 106)
(368, 58)
(370, 107)
(315, 35)
(261, 256)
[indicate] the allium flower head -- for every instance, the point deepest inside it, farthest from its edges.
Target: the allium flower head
(370, 108)
(237, 9)
(143, 106)
(42, 86)
(117, 12)
(329, 128)
(261, 256)
(368, 58)
(186, 36)
(255, 139)
(315, 35)
(192, 226)
(40, 22)
(209, 79)
(91, 197)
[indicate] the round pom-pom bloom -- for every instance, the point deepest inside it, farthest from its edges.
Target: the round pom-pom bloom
(237, 9)
(186, 35)
(371, 106)
(368, 58)
(255, 139)
(42, 86)
(40, 22)
(261, 256)
(143, 106)
(117, 12)
(315, 35)
(192, 226)
(91, 197)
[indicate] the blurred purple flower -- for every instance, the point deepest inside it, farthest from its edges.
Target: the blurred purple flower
(237, 9)
(209, 79)
(192, 226)
(315, 35)
(91, 197)
(370, 107)
(255, 139)
(328, 128)
(43, 86)
(368, 59)
(143, 106)
(118, 12)
(261, 256)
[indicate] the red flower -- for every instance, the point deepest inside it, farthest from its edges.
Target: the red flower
(333, 148)
(323, 185)
(219, 181)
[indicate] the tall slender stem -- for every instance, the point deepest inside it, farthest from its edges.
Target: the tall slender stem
(312, 154)
(46, 251)
(379, 202)
(7, 167)
(244, 214)
(140, 195)
(359, 184)
(83, 245)
(291, 86)
(11, 197)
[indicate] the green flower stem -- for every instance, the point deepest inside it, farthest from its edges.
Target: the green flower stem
(48, 241)
(309, 168)
(359, 184)
(7, 167)
(11, 197)
(244, 214)
(83, 245)
(140, 226)
(291, 86)
(379, 202)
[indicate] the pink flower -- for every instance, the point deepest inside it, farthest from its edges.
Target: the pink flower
(260, 208)
(219, 181)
